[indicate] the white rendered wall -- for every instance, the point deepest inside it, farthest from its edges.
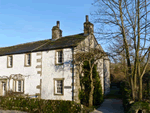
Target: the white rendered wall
(51, 71)
(101, 72)
(31, 81)
(107, 75)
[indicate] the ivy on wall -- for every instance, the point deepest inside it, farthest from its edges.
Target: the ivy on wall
(85, 86)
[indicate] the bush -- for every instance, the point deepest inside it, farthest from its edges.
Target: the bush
(139, 106)
(39, 105)
(126, 95)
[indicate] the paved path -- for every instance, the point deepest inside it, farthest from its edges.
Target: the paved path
(110, 106)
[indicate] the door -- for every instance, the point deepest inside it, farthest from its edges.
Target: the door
(4, 88)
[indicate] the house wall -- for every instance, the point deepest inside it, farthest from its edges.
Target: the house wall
(106, 75)
(31, 78)
(100, 70)
(51, 71)
(84, 46)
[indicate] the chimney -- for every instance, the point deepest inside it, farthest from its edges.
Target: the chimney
(88, 27)
(87, 18)
(58, 24)
(56, 32)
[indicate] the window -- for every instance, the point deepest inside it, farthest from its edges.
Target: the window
(28, 59)
(9, 61)
(58, 86)
(59, 57)
(18, 85)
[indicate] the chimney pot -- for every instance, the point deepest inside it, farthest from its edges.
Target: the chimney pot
(87, 18)
(58, 24)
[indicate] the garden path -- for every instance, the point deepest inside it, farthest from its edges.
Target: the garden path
(112, 102)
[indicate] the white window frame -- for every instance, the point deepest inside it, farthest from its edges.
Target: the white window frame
(16, 86)
(58, 56)
(28, 59)
(10, 61)
(56, 87)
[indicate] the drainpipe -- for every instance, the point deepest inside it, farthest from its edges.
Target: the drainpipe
(72, 73)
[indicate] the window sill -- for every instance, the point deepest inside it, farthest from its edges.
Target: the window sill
(9, 66)
(27, 65)
(58, 94)
(18, 92)
(59, 63)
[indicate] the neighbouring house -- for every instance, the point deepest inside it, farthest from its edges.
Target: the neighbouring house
(45, 68)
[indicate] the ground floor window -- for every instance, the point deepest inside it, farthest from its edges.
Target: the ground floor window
(18, 85)
(59, 86)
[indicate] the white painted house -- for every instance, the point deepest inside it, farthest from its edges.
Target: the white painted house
(45, 68)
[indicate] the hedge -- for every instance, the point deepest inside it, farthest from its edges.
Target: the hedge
(144, 106)
(126, 95)
(39, 105)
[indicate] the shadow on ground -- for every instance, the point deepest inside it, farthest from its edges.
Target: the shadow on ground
(112, 102)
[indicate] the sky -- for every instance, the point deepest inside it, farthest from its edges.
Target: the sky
(24, 21)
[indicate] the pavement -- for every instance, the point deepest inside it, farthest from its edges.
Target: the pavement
(110, 106)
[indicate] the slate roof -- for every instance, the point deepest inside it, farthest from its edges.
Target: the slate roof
(49, 44)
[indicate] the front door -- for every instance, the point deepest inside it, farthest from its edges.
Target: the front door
(4, 88)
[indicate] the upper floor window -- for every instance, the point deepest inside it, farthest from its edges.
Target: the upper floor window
(9, 61)
(59, 57)
(28, 59)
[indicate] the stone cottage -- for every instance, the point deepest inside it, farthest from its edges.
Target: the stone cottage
(45, 68)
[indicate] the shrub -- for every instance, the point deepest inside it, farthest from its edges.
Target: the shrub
(39, 105)
(126, 95)
(139, 106)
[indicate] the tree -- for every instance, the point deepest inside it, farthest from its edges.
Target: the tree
(92, 57)
(128, 22)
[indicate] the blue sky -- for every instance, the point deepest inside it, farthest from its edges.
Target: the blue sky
(24, 21)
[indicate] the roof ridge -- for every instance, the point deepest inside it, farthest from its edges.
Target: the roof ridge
(72, 35)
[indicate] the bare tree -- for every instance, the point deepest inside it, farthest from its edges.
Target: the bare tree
(128, 20)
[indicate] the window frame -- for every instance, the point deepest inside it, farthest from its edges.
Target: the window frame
(26, 60)
(8, 61)
(16, 87)
(55, 86)
(57, 57)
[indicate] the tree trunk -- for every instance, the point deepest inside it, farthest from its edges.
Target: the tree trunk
(126, 49)
(92, 90)
(148, 87)
(132, 88)
(140, 89)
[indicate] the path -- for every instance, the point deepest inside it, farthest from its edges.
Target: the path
(110, 106)
(111, 103)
